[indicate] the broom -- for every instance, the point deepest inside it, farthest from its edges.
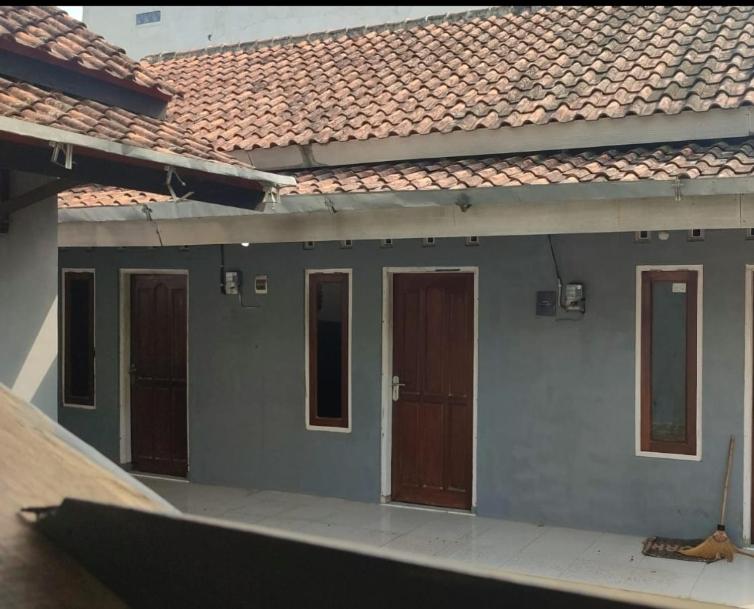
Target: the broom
(718, 545)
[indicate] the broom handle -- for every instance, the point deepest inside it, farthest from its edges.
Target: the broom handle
(727, 480)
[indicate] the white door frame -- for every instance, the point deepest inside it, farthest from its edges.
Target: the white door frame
(748, 399)
(124, 285)
(386, 431)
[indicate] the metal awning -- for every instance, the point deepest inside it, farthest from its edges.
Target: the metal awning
(83, 159)
(159, 560)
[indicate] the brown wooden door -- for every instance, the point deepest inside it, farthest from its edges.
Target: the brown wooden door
(433, 346)
(158, 374)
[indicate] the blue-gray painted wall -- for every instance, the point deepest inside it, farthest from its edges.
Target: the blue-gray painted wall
(556, 398)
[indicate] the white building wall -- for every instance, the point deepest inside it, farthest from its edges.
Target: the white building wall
(183, 28)
(28, 300)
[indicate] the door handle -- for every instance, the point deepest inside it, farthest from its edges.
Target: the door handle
(397, 388)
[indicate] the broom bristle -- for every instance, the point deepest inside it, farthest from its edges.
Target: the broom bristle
(715, 547)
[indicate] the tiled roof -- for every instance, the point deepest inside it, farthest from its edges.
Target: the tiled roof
(100, 196)
(52, 35)
(692, 160)
(31, 30)
(487, 70)
(30, 103)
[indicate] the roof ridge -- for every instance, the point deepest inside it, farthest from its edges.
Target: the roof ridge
(360, 30)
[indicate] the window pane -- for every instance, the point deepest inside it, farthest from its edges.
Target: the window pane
(150, 17)
(329, 319)
(668, 405)
(78, 361)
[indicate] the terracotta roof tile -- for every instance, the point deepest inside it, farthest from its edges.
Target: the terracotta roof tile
(27, 102)
(665, 162)
(485, 70)
(702, 159)
(54, 36)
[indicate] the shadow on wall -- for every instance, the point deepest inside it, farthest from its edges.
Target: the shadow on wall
(39, 368)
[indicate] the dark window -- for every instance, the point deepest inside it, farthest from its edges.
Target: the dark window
(150, 17)
(328, 349)
(669, 361)
(78, 357)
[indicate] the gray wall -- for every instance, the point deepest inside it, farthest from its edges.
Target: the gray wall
(185, 28)
(28, 300)
(556, 398)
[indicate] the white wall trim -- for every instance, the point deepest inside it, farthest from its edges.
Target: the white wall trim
(63, 272)
(748, 399)
(498, 217)
(386, 431)
(309, 426)
(637, 365)
(124, 351)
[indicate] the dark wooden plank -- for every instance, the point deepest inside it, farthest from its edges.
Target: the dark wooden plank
(158, 379)
(316, 281)
(154, 560)
(70, 363)
(433, 342)
(649, 278)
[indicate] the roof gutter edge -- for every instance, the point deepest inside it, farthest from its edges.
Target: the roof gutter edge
(463, 198)
(54, 134)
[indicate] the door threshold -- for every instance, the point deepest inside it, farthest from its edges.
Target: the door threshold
(429, 508)
(158, 476)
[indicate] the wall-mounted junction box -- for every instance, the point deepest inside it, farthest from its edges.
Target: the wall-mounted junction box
(260, 284)
(231, 282)
(574, 298)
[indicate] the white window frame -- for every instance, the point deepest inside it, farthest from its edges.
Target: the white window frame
(63, 353)
(699, 327)
(148, 23)
(748, 401)
(307, 274)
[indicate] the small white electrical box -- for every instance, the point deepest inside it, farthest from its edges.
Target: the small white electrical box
(231, 282)
(574, 297)
(260, 284)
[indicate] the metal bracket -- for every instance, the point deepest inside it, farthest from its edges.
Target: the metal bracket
(271, 197)
(66, 150)
(170, 174)
(463, 202)
(677, 189)
(330, 206)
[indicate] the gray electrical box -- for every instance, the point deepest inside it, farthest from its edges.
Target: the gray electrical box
(231, 282)
(546, 303)
(573, 298)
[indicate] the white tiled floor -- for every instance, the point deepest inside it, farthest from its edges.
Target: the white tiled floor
(585, 556)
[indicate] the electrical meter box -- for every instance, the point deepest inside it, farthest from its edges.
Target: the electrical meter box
(574, 298)
(231, 282)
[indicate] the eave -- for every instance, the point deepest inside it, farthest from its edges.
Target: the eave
(27, 147)
(525, 210)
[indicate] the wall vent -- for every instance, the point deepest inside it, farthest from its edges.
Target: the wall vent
(696, 234)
